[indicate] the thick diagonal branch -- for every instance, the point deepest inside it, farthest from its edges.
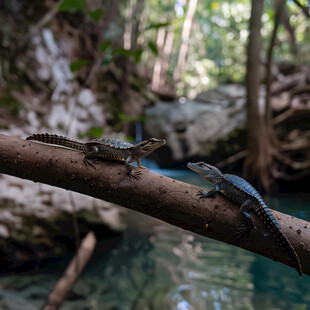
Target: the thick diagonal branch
(169, 200)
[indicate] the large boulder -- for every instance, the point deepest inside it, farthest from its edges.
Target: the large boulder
(194, 127)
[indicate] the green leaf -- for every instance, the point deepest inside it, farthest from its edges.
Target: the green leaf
(95, 15)
(130, 139)
(95, 132)
(152, 46)
(122, 52)
(71, 5)
(104, 45)
(77, 65)
(138, 55)
(156, 25)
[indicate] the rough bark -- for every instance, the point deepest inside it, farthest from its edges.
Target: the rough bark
(169, 200)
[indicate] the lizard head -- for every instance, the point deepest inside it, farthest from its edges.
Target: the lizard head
(208, 172)
(148, 146)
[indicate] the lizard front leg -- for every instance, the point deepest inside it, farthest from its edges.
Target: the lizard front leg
(133, 174)
(204, 194)
(140, 165)
(91, 155)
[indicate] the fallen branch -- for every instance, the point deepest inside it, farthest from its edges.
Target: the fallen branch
(66, 282)
(169, 200)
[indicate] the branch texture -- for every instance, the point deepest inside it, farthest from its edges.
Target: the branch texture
(169, 200)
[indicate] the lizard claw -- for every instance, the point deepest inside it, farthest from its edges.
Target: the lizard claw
(135, 174)
(202, 194)
(242, 231)
(89, 162)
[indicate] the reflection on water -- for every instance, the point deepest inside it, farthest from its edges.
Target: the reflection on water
(159, 266)
(163, 267)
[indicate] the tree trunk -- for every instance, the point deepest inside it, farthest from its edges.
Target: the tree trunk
(185, 39)
(164, 47)
(166, 199)
(158, 63)
(257, 165)
(136, 18)
(166, 55)
(279, 10)
(290, 32)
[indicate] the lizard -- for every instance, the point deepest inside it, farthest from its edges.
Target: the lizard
(244, 194)
(106, 148)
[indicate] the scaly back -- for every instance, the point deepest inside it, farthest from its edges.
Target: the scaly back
(113, 143)
(243, 186)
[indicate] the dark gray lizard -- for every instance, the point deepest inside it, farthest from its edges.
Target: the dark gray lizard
(241, 192)
(106, 148)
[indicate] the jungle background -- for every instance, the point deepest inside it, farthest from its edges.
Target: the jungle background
(226, 82)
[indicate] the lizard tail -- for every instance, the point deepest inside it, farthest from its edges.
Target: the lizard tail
(271, 223)
(290, 251)
(58, 140)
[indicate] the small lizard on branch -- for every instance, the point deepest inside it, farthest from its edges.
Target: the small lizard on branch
(241, 192)
(106, 148)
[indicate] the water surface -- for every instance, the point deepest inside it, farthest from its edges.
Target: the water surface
(159, 266)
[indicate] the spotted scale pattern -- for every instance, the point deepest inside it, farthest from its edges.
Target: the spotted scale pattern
(113, 143)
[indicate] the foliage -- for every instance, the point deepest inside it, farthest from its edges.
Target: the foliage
(95, 132)
(71, 5)
(217, 51)
(77, 65)
(217, 44)
(95, 15)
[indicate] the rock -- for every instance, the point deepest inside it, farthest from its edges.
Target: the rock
(194, 128)
(37, 221)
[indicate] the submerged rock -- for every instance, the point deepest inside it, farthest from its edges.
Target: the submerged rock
(193, 128)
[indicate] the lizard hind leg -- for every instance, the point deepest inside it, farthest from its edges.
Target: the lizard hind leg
(91, 156)
(247, 219)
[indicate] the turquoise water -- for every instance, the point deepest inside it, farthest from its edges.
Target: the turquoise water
(158, 266)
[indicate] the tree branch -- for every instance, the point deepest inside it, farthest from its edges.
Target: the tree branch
(66, 282)
(304, 9)
(169, 200)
